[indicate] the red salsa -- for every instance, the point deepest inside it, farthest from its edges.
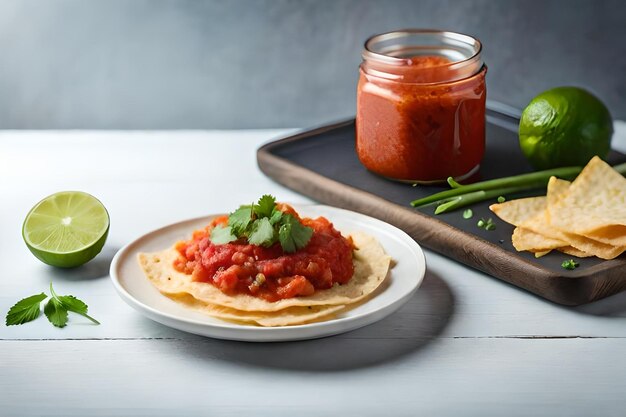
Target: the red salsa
(421, 117)
(269, 272)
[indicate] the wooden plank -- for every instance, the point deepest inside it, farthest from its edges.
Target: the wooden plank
(452, 302)
(446, 377)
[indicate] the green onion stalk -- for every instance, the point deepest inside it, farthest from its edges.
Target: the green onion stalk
(463, 195)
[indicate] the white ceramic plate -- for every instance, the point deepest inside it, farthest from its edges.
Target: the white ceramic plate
(402, 282)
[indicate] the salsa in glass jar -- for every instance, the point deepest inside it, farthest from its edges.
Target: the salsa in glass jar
(421, 105)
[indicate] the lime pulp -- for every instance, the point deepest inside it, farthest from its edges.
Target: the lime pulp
(66, 229)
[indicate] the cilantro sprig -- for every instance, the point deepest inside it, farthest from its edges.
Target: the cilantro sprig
(56, 309)
(263, 224)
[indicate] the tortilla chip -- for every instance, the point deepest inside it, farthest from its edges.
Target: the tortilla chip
(517, 211)
(370, 269)
(526, 239)
(571, 218)
(286, 317)
(542, 224)
(594, 206)
(569, 250)
(527, 211)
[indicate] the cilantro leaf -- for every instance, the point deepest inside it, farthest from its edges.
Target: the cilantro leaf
(571, 264)
(221, 235)
(262, 233)
(292, 234)
(240, 219)
(284, 237)
(277, 215)
(265, 206)
(263, 224)
(25, 310)
(56, 312)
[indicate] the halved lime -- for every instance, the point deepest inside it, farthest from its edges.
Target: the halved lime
(66, 229)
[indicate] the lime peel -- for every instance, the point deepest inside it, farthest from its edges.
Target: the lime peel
(565, 126)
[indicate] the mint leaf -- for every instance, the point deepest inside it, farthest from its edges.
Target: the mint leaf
(73, 304)
(239, 220)
(262, 233)
(292, 234)
(25, 310)
(55, 309)
(265, 206)
(221, 235)
(56, 312)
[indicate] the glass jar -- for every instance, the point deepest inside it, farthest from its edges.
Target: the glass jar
(421, 105)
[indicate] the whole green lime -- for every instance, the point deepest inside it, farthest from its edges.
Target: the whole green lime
(565, 126)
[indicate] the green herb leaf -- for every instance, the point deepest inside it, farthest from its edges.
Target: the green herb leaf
(292, 234)
(73, 304)
(221, 235)
(501, 199)
(468, 214)
(262, 233)
(277, 215)
(239, 220)
(265, 206)
(25, 310)
(570, 264)
(284, 236)
(56, 312)
(55, 309)
(262, 224)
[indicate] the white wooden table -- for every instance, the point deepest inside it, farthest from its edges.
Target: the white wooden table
(466, 344)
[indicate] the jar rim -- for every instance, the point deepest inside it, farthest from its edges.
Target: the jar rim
(369, 53)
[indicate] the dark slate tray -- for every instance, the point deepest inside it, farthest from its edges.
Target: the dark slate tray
(322, 164)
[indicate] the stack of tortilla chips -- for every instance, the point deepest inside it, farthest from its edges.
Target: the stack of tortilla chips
(586, 217)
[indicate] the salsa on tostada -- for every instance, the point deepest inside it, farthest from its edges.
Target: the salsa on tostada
(266, 264)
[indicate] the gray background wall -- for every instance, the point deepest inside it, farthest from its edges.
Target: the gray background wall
(160, 64)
